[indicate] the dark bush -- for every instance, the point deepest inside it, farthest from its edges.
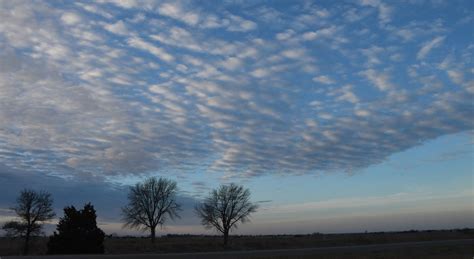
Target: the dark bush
(77, 233)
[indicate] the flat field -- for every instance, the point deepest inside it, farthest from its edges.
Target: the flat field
(196, 244)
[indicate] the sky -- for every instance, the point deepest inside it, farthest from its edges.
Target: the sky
(339, 116)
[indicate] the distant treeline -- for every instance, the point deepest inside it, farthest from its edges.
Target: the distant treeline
(457, 230)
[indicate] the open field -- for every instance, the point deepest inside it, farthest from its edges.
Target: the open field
(461, 248)
(196, 244)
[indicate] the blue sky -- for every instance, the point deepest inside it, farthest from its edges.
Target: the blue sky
(339, 116)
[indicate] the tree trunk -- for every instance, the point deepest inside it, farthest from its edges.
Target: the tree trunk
(152, 235)
(27, 241)
(226, 238)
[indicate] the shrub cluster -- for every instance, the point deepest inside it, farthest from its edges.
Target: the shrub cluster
(77, 233)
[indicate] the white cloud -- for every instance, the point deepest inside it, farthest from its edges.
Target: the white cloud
(178, 37)
(405, 34)
(285, 35)
(325, 116)
(380, 80)
(70, 18)
(240, 24)
(346, 94)
(294, 53)
(456, 76)
(143, 45)
(175, 11)
(232, 63)
(260, 73)
(94, 9)
(384, 11)
(321, 33)
(311, 35)
(207, 107)
(372, 54)
(362, 113)
(428, 46)
(127, 4)
(213, 21)
(117, 28)
(354, 15)
(323, 80)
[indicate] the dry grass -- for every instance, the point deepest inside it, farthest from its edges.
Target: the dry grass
(13, 246)
(431, 252)
(170, 244)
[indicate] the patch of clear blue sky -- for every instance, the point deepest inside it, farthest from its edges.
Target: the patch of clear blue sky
(443, 165)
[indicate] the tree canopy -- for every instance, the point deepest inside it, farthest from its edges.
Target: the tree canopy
(225, 207)
(32, 208)
(151, 203)
(77, 233)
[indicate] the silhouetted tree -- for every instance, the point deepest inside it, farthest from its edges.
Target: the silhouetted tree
(33, 208)
(77, 233)
(150, 204)
(225, 207)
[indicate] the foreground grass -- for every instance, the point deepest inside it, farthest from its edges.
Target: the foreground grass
(183, 243)
(171, 244)
(431, 252)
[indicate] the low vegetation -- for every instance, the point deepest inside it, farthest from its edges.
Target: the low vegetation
(77, 233)
(190, 243)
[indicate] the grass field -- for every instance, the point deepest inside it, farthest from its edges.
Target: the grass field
(185, 243)
(434, 252)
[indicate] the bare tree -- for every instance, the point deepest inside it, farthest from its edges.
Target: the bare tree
(225, 207)
(150, 204)
(33, 208)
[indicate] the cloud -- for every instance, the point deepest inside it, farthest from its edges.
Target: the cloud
(285, 35)
(455, 76)
(175, 11)
(95, 9)
(232, 63)
(325, 32)
(323, 80)
(347, 94)
(405, 34)
(428, 46)
(70, 18)
(354, 15)
(362, 113)
(240, 24)
(117, 28)
(384, 10)
(293, 53)
(157, 51)
(260, 72)
(179, 37)
(379, 80)
(127, 4)
(185, 90)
